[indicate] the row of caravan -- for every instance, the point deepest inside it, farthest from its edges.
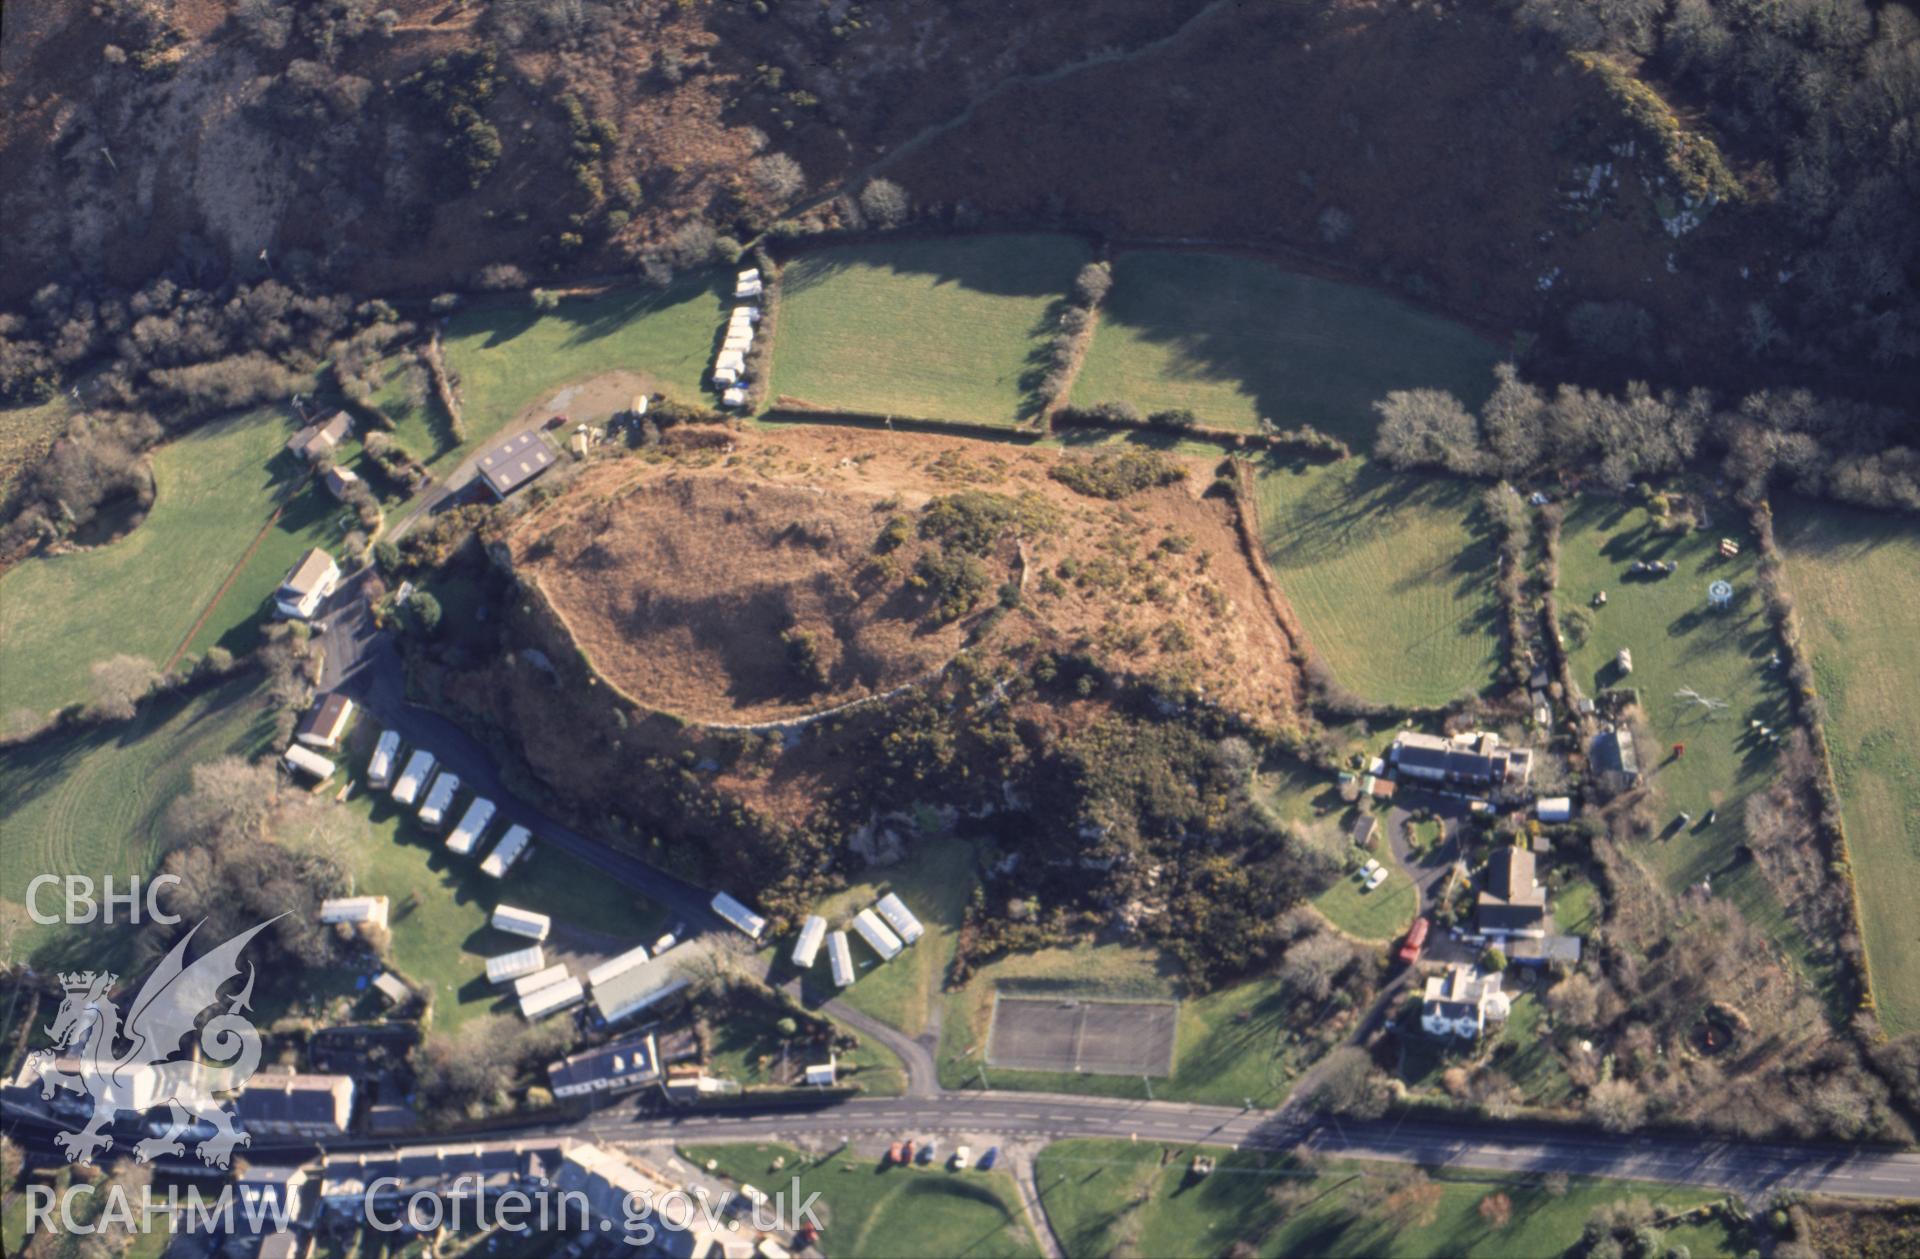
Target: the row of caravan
(887, 932)
(435, 794)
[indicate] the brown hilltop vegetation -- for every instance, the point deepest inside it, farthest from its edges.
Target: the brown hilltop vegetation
(756, 585)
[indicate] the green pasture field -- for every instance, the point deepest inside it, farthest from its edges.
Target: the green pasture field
(1391, 575)
(93, 801)
(506, 356)
(215, 489)
(952, 329)
(1234, 339)
(1679, 644)
(1856, 577)
(867, 1212)
(1113, 1197)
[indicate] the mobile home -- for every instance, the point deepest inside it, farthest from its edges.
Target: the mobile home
(900, 918)
(877, 935)
(380, 768)
(433, 812)
(406, 789)
(307, 761)
(507, 966)
(510, 849)
(739, 915)
(473, 824)
(521, 922)
(807, 947)
(551, 1000)
(842, 958)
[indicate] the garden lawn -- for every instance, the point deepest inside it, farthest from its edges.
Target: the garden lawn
(1229, 1045)
(1678, 643)
(1109, 1197)
(1233, 339)
(747, 1046)
(93, 801)
(951, 329)
(1856, 576)
(215, 490)
(1378, 915)
(935, 881)
(506, 356)
(1391, 575)
(868, 1212)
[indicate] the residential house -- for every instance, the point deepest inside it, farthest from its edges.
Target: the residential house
(610, 1182)
(1473, 761)
(512, 463)
(307, 586)
(325, 723)
(612, 1068)
(1512, 900)
(282, 1103)
(322, 437)
(351, 1183)
(270, 1202)
(1462, 1002)
(340, 482)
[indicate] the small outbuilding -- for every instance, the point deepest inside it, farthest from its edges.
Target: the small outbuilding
(326, 721)
(322, 437)
(1553, 808)
(304, 760)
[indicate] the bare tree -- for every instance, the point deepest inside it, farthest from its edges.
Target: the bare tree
(120, 683)
(778, 176)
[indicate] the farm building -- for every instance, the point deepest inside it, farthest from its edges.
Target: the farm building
(842, 958)
(636, 988)
(514, 965)
(612, 1068)
(433, 810)
(355, 909)
(877, 935)
(512, 846)
(281, 1103)
(551, 1000)
(392, 988)
(322, 437)
(307, 585)
(1512, 901)
(340, 482)
(1473, 759)
(385, 752)
(1554, 808)
(738, 915)
(512, 463)
(1614, 754)
(406, 788)
(307, 761)
(326, 721)
(807, 947)
(521, 922)
(606, 971)
(545, 977)
(1462, 1002)
(900, 918)
(473, 824)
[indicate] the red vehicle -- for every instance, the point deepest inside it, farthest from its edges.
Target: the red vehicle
(1416, 940)
(893, 1154)
(558, 421)
(906, 1155)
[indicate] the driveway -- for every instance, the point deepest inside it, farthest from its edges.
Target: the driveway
(1428, 872)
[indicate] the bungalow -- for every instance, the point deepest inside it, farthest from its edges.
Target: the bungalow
(371, 910)
(1512, 902)
(807, 948)
(900, 918)
(307, 761)
(340, 482)
(612, 1068)
(1462, 1002)
(282, 1103)
(1476, 760)
(512, 463)
(307, 585)
(326, 721)
(322, 437)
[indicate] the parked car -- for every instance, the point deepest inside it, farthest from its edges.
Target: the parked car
(907, 1152)
(961, 1157)
(991, 1157)
(1378, 877)
(664, 943)
(893, 1155)
(929, 1150)
(1415, 941)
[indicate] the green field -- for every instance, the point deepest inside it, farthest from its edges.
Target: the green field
(1234, 339)
(1678, 643)
(507, 356)
(1114, 1198)
(215, 488)
(1380, 914)
(1390, 574)
(941, 329)
(865, 1211)
(92, 802)
(1856, 576)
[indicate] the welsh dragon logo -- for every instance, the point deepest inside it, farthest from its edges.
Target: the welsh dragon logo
(127, 1067)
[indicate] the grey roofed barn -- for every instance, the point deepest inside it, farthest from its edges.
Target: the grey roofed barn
(514, 462)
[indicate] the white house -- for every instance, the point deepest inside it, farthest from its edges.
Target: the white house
(473, 824)
(307, 761)
(521, 922)
(355, 909)
(807, 947)
(380, 768)
(306, 585)
(900, 918)
(512, 846)
(842, 958)
(1462, 1002)
(514, 965)
(738, 915)
(406, 788)
(433, 812)
(877, 935)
